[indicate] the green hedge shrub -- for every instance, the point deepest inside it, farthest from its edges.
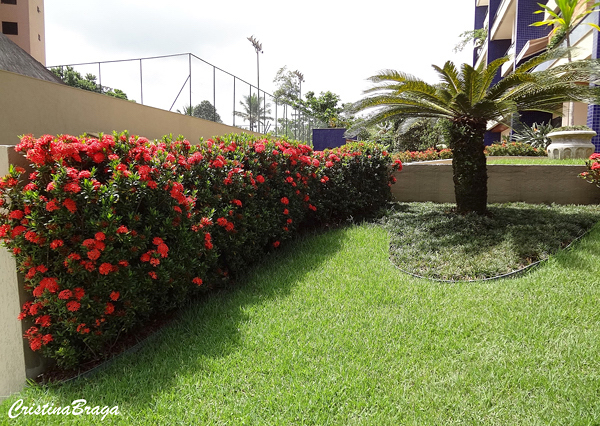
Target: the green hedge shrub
(110, 231)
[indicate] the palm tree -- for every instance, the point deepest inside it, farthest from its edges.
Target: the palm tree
(186, 110)
(468, 100)
(255, 111)
(563, 24)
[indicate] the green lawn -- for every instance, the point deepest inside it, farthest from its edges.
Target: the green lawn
(536, 160)
(328, 331)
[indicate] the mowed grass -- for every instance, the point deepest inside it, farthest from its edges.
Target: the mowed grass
(328, 332)
(431, 240)
(536, 160)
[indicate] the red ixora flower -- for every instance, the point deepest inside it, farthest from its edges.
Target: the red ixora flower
(56, 243)
(110, 308)
(70, 205)
(100, 236)
(73, 306)
(163, 250)
(94, 254)
(114, 296)
(197, 281)
(105, 268)
(65, 295)
(276, 244)
(51, 206)
(122, 229)
(285, 201)
(44, 320)
(79, 293)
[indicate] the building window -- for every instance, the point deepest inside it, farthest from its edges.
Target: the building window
(8, 1)
(10, 28)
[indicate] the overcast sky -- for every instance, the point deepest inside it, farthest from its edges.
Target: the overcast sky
(335, 44)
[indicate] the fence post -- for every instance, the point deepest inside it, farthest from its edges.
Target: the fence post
(141, 84)
(214, 95)
(234, 101)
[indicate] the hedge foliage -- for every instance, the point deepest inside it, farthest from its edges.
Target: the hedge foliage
(109, 231)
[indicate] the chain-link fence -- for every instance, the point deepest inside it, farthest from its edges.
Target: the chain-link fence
(188, 84)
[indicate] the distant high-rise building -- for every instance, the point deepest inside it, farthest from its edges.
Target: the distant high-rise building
(23, 23)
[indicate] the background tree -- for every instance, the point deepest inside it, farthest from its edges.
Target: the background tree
(207, 111)
(255, 110)
(477, 37)
(323, 108)
(418, 134)
(467, 98)
(288, 86)
(73, 78)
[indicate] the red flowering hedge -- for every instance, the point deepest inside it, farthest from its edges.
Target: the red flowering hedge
(110, 231)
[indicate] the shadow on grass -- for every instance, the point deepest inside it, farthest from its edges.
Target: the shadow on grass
(431, 240)
(206, 329)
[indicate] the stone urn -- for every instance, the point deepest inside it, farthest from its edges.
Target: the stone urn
(571, 144)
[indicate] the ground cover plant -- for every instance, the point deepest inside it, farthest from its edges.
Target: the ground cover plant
(327, 331)
(111, 231)
(432, 241)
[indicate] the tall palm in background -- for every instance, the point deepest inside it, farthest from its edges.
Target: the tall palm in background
(469, 100)
(256, 111)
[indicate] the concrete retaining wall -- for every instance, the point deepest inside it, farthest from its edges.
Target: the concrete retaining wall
(535, 184)
(38, 107)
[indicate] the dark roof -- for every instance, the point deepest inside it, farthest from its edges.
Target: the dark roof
(15, 59)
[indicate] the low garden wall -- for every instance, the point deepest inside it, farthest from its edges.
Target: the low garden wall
(535, 184)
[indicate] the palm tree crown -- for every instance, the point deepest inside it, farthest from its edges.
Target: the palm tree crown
(471, 95)
(256, 111)
(469, 99)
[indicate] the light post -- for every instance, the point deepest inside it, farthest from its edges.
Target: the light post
(258, 47)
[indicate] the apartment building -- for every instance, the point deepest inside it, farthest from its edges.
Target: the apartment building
(509, 33)
(23, 23)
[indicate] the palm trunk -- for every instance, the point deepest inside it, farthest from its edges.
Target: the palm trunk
(469, 166)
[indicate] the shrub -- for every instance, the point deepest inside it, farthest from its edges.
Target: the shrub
(110, 231)
(536, 135)
(427, 155)
(513, 149)
(593, 173)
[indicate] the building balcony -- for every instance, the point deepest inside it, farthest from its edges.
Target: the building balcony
(503, 23)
